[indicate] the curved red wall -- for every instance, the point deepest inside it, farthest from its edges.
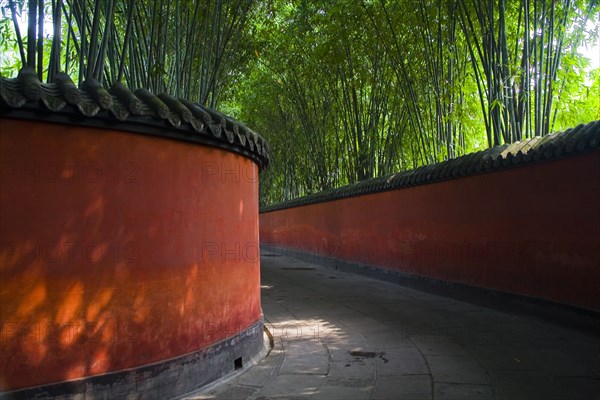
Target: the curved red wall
(532, 231)
(119, 250)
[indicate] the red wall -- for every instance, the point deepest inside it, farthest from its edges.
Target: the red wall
(119, 250)
(532, 231)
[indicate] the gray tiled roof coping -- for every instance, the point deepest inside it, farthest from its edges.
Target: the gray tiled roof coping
(118, 108)
(574, 141)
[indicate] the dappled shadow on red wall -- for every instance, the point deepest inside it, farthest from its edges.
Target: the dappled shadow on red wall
(118, 250)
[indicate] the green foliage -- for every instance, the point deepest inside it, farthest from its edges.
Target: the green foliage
(192, 49)
(349, 90)
(581, 103)
(343, 90)
(9, 61)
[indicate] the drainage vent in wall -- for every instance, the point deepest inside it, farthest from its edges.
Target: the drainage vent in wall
(237, 364)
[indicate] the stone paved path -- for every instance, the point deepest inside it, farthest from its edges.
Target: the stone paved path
(342, 336)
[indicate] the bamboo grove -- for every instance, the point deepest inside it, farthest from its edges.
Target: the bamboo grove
(185, 48)
(343, 90)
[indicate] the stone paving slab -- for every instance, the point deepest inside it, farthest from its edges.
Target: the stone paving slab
(462, 391)
(342, 336)
(457, 369)
(414, 387)
(340, 392)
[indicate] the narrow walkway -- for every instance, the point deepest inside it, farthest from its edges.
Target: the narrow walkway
(343, 336)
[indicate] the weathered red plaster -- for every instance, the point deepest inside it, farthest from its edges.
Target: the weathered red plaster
(532, 230)
(119, 250)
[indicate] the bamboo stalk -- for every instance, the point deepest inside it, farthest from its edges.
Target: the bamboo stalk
(13, 12)
(40, 40)
(31, 36)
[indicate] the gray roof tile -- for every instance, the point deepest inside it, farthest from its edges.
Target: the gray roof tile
(578, 140)
(119, 108)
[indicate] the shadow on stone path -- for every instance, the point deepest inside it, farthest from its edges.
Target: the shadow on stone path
(342, 336)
